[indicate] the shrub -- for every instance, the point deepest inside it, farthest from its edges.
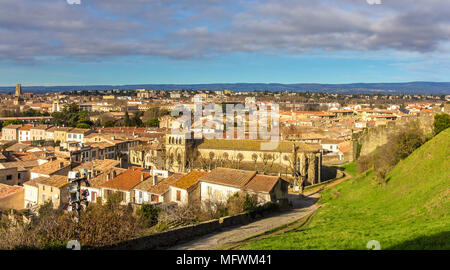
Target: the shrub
(364, 163)
(335, 193)
(441, 122)
(148, 214)
(99, 225)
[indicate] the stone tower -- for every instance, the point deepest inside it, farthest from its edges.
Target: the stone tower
(178, 147)
(18, 90)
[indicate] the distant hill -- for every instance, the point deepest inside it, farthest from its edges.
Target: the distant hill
(411, 212)
(435, 88)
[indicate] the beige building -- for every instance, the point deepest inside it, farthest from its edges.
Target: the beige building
(11, 197)
(10, 132)
(9, 176)
(38, 133)
(54, 189)
(60, 134)
(148, 155)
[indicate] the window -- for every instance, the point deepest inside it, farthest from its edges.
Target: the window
(9, 177)
(43, 197)
(209, 190)
(178, 195)
(155, 198)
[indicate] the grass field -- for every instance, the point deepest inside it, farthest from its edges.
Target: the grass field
(410, 212)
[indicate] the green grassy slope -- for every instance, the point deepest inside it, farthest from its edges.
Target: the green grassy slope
(410, 212)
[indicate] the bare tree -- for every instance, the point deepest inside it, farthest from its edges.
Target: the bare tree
(239, 158)
(255, 159)
(265, 159)
(226, 156)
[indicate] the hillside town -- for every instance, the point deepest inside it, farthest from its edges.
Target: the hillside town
(125, 140)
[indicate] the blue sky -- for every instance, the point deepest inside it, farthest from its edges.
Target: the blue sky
(50, 42)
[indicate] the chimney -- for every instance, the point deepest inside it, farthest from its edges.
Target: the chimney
(107, 177)
(155, 180)
(113, 173)
(142, 177)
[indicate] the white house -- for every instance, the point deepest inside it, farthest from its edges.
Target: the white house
(31, 193)
(185, 189)
(155, 190)
(221, 183)
(25, 133)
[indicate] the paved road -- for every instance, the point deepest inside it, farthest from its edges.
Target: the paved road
(216, 240)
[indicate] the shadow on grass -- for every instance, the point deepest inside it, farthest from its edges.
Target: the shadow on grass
(433, 242)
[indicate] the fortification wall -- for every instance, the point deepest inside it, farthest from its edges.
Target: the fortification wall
(369, 139)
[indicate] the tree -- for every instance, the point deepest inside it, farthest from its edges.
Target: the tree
(127, 120)
(211, 159)
(441, 122)
(11, 122)
(83, 125)
(153, 122)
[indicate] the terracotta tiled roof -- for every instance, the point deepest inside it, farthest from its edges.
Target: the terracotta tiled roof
(100, 165)
(26, 127)
(20, 165)
(101, 145)
(262, 183)
(32, 182)
(344, 147)
(12, 127)
(229, 177)
(23, 156)
(51, 166)
(161, 187)
(44, 127)
(103, 177)
(331, 141)
(188, 180)
(57, 181)
(6, 190)
(127, 180)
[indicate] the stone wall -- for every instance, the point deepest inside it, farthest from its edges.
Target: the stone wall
(180, 235)
(371, 138)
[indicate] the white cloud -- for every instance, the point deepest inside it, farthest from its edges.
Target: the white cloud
(72, 2)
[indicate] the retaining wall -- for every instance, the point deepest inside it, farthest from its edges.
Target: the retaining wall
(180, 235)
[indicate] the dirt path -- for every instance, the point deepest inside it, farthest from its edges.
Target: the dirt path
(216, 240)
(234, 236)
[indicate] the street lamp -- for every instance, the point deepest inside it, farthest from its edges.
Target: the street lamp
(76, 197)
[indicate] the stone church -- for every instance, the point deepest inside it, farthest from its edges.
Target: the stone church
(285, 157)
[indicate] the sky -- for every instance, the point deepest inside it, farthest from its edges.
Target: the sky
(116, 42)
